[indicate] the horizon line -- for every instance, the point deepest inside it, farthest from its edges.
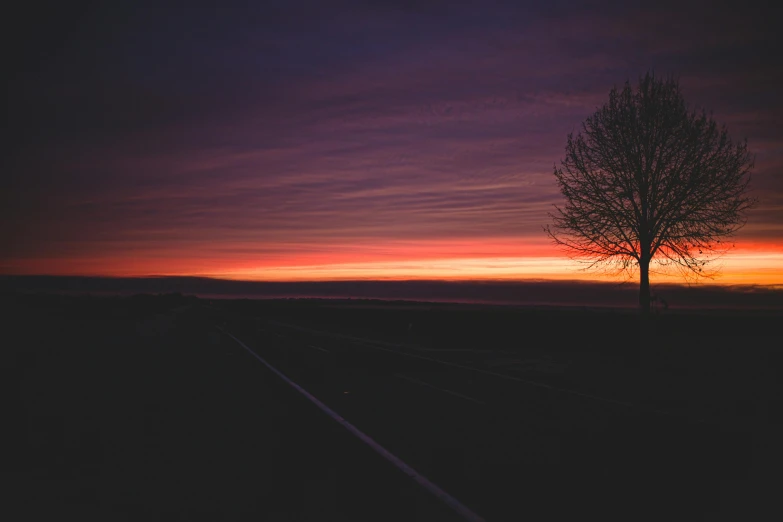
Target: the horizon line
(579, 282)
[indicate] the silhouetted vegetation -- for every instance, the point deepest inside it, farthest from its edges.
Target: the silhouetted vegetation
(648, 180)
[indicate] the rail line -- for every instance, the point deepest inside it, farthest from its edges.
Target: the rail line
(420, 479)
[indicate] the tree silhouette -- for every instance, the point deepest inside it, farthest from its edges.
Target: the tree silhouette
(648, 180)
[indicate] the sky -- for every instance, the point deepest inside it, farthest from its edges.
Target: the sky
(349, 140)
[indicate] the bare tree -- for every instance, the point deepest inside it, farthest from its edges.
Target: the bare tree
(648, 180)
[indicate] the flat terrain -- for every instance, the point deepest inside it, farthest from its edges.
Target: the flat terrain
(131, 411)
(140, 407)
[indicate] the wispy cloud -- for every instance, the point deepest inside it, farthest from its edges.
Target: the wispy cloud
(322, 139)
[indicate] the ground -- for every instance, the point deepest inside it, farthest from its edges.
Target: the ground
(141, 408)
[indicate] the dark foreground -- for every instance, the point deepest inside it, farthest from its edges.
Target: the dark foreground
(138, 408)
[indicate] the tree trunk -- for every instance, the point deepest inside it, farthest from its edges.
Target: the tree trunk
(644, 287)
(646, 344)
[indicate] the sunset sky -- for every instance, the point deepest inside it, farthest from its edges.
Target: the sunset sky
(349, 140)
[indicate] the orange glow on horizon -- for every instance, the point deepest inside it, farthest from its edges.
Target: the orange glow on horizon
(502, 259)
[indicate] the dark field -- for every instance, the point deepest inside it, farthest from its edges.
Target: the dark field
(138, 408)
